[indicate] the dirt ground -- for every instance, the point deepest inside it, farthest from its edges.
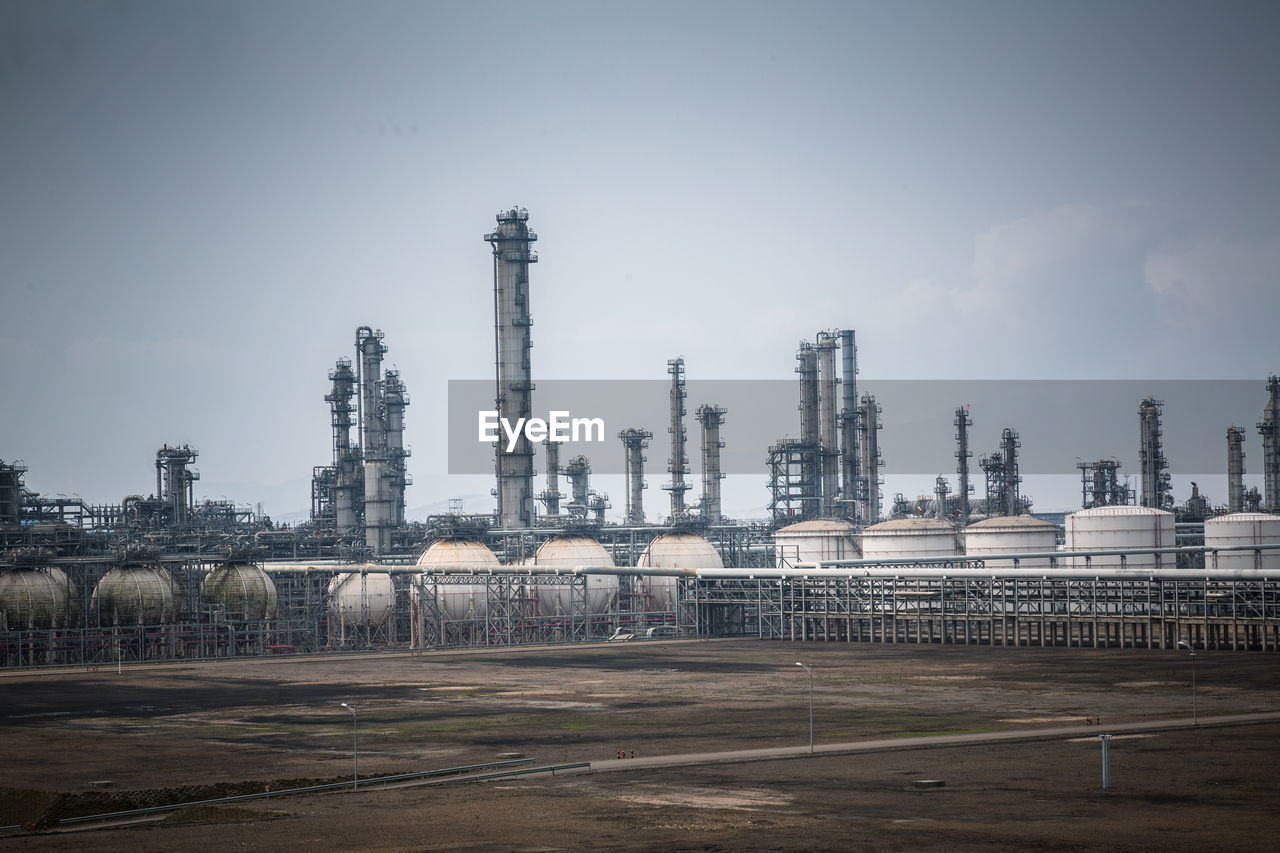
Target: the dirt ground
(269, 721)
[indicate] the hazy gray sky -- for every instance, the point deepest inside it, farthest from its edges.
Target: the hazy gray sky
(201, 201)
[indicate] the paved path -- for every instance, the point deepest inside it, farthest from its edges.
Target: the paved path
(929, 742)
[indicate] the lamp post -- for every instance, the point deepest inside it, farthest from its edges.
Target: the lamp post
(355, 747)
(1183, 644)
(809, 670)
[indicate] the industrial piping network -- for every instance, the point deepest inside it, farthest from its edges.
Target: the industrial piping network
(901, 567)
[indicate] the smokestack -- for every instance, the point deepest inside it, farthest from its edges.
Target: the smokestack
(849, 431)
(634, 441)
(512, 342)
(711, 417)
(1235, 469)
(1009, 445)
(828, 410)
(678, 464)
(394, 400)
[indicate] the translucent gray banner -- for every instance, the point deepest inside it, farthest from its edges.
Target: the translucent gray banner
(1060, 422)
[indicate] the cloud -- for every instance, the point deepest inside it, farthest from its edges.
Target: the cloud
(1209, 272)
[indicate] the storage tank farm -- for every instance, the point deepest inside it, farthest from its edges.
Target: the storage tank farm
(167, 576)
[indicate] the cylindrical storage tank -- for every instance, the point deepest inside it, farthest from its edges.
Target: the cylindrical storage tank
(244, 591)
(1011, 534)
(135, 595)
(1110, 528)
(909, 539)
(567, 552)
(457, 600)
(1243, 528)
(815, 540)
(361, 598)
(674, 551)
(33, 598)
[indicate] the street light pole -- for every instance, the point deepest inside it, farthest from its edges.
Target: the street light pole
(1183, 644)
(355, 747)
(809, 670)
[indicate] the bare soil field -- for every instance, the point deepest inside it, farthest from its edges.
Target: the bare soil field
(193, 727)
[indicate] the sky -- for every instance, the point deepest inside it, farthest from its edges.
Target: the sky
(202, 201)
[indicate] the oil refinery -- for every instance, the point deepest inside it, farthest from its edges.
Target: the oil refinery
(165, 576)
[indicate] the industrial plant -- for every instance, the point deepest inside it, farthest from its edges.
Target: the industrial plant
(165, 576)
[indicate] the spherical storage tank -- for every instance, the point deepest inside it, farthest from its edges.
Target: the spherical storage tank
(33, 598)
(361, 598)
(457, 600)
(815, 540)
(1011, 534)
(566, 552)
(674, 551)
(1109, 528)
(1243, 528)
(135, 595)
(909, 539)
(244, 590)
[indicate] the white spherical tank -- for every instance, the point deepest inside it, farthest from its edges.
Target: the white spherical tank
(135, 595)
(815, 540)
(1243, 528)
(458, 600)
(361, 598)
(33, 598)
(909, 539)
(567, 552)
(1110, 528)
(244, 590)
(1011, 534)
(674, 551)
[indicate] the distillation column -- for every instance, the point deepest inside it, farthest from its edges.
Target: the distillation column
(578, 472)
(810, 487)
(963, 454)
(512, 342)
(1009, 445)
(1235, 469)
(377, 491)
(711, 417)
(869, 420)
(551, 497)
(174, 483)
(678, 464)
(394, 399)
(828, 412)
(1269, 429)
(634, 442)
(1151, 459)
(849, 432)
(346, 459)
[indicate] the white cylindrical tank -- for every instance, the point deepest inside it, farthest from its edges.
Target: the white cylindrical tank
(567, 552)
(1109, 528)
(33, 598)
(815, 540)
(1011, 534)
(244, 591)
(1243, 528)
(361, 598)
(674, 551)
(458, 600)
(909, 539)
(135, 595)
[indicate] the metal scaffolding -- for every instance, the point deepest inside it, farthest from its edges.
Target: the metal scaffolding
(678, 464)
(1269, 429)
(962, 423)
(1155, 488)
(1100, 484)
(634, 442)
(869, 490)
(850, 430)
(711, 418)
(1235, 469)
